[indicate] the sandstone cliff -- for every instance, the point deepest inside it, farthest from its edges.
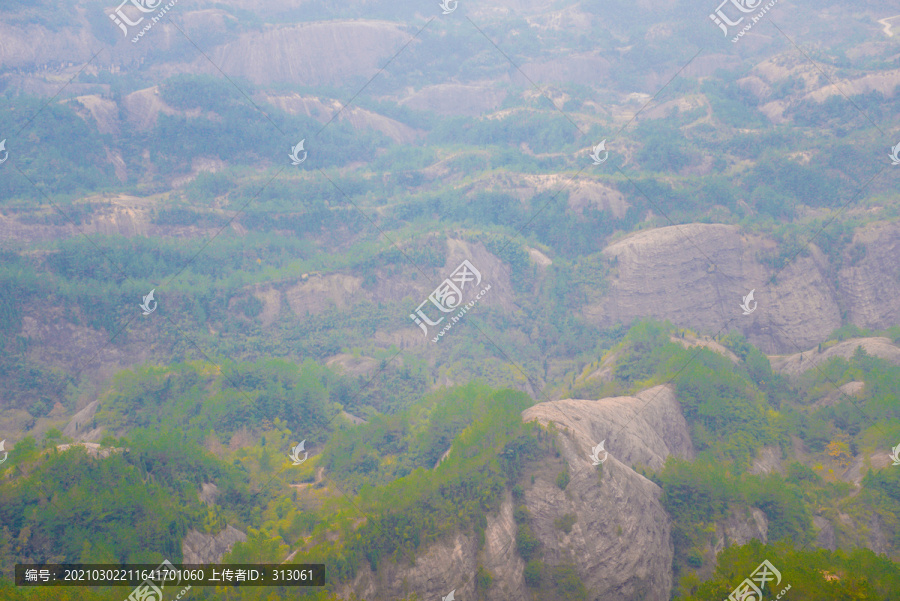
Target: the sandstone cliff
(797, 363)
(316, 53)
(620, 542)
(697, 274)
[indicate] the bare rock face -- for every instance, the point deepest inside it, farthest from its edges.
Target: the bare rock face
(103, 111)
(739, 530)
(871, 284)
(620, 541)
(142, 108)
(317, 294)
(207, 548)
(307, 53)
(877, 539)
(798, 363)
(824, 533)
(445, 566)
(357, 117)
(78, 425)
(767, 461)
(707, 343)
(500, 556)
(847, 391)
(92, 449)
(643, 429)
(354, 366)
(494, 273)
(697, 275)
(34, 46)
(208, 493)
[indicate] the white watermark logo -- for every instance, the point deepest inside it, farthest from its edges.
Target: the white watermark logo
(146, 304)
(449, 6)
(448, 297)
(740, 9)
(121, 19)
(145, 7)
(295, 453)
(449, 597)
(595, 155)
(5, 454)
(148, 591)
(895, 151)
(751, 588)
(746, 304)
(6, 152)
(595, 453)
(895, 454)
(295, 156)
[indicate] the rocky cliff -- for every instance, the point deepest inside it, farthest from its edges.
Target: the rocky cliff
(697, 274)
(797, 363)
(620, 541)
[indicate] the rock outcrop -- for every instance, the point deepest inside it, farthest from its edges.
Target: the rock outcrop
(739, 530)
(798, 363)
(77, 427)
(314, 53)
(620, 542)
(640, 430)
(92, 448)
(208, 548)
(697, 274)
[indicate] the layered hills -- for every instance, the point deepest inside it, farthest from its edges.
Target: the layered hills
(713, 308)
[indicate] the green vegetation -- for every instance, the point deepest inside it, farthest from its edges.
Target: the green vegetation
(483, 580)
(263, 273)
(393, 446)
(534, 569)
(865, 420)
(151, 488)
(133, 506)
(562, 479)
(733, 410)
(387, 497)
(196, 398)
(697, 495)
(565, 522)
(61, 155)
(814, 575)
(419, 508)
(730, 408)
(27, 383)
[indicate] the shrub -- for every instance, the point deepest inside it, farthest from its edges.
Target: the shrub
(526, 542)
(533, 571)
(694, 558)
(483, 579)
(518, 492)
(565, 522)
(568, 583)
(520, 514)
